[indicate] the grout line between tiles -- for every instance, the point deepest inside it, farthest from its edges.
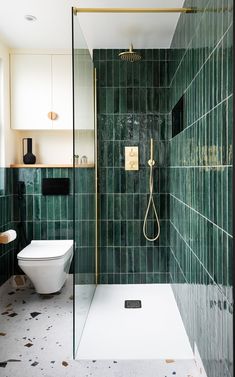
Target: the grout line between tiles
(221, 291)
(194, 210)
(190, 42)
(178, 265)
(209, 56)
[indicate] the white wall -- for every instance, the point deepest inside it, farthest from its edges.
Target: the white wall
(56, 147)
(7, 136)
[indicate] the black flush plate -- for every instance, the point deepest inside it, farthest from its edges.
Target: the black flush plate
(132, 304)
(55, 186)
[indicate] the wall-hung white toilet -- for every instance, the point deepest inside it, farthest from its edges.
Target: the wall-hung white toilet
(47, 264)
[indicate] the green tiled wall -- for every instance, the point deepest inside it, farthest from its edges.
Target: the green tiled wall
(200, 182)
(133, 106)
(45, 217)
(85, 225)
(7, 252)
(51, 217)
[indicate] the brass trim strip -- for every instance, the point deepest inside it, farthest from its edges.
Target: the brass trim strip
(133, 10)
(96, 181)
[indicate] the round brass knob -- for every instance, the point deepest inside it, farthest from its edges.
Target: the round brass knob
(52, 115)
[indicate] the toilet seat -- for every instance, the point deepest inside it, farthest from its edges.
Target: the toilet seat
(46, 250)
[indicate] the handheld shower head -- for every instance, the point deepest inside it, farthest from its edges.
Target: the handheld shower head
(151, 161)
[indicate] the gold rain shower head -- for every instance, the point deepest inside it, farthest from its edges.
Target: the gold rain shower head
(130, 56)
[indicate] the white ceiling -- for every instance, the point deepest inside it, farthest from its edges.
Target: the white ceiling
(53, 26)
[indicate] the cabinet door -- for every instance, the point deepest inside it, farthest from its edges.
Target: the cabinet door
(30, 92)
(62, 91)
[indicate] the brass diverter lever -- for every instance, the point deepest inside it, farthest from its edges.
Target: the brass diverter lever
(131, 158)
(132, 153)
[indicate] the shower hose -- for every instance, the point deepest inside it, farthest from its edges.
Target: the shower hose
(151, 201)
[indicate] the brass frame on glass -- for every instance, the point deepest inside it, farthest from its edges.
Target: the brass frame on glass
(133, 10)
(96, 182)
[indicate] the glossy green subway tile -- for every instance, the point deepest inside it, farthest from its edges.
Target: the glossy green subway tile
(129, 77)
(136, 259)
(129, 233)
(123, 74)
(124, 279)
(229, 111)
(143, 75)
(129, 100)
(57, 230)
(103, 54)
(130, 260)
(230, 200)
(115, 73)
(143, 102)
(110, 74)
(117, 233)
(143, 259)
(43, 226)
(109, 54)
(136, 74)
(110, 101)
(124, 261)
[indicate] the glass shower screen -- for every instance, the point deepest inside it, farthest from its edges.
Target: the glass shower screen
(84, 180)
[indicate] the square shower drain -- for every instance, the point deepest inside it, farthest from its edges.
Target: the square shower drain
(132, 304)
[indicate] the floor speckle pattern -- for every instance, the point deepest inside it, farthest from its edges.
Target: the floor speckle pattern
(36, 341)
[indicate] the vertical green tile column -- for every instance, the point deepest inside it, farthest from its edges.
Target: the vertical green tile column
(85, 226)
(132, 107)
(7, 251)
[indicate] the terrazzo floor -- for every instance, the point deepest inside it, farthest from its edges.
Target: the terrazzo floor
(36, 341)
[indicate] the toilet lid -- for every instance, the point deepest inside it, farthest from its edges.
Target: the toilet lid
(42, 250)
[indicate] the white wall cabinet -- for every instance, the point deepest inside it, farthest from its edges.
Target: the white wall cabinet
(41, 84)
(62, 103)
(84, 91)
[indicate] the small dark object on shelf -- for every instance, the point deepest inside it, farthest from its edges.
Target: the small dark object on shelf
(29, 157)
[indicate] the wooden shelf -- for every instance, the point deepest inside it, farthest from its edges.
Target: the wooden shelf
(46, 166)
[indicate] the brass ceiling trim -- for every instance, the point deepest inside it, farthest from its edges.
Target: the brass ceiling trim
(133, 10)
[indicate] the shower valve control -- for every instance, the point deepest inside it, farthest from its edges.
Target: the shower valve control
(131, 158)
